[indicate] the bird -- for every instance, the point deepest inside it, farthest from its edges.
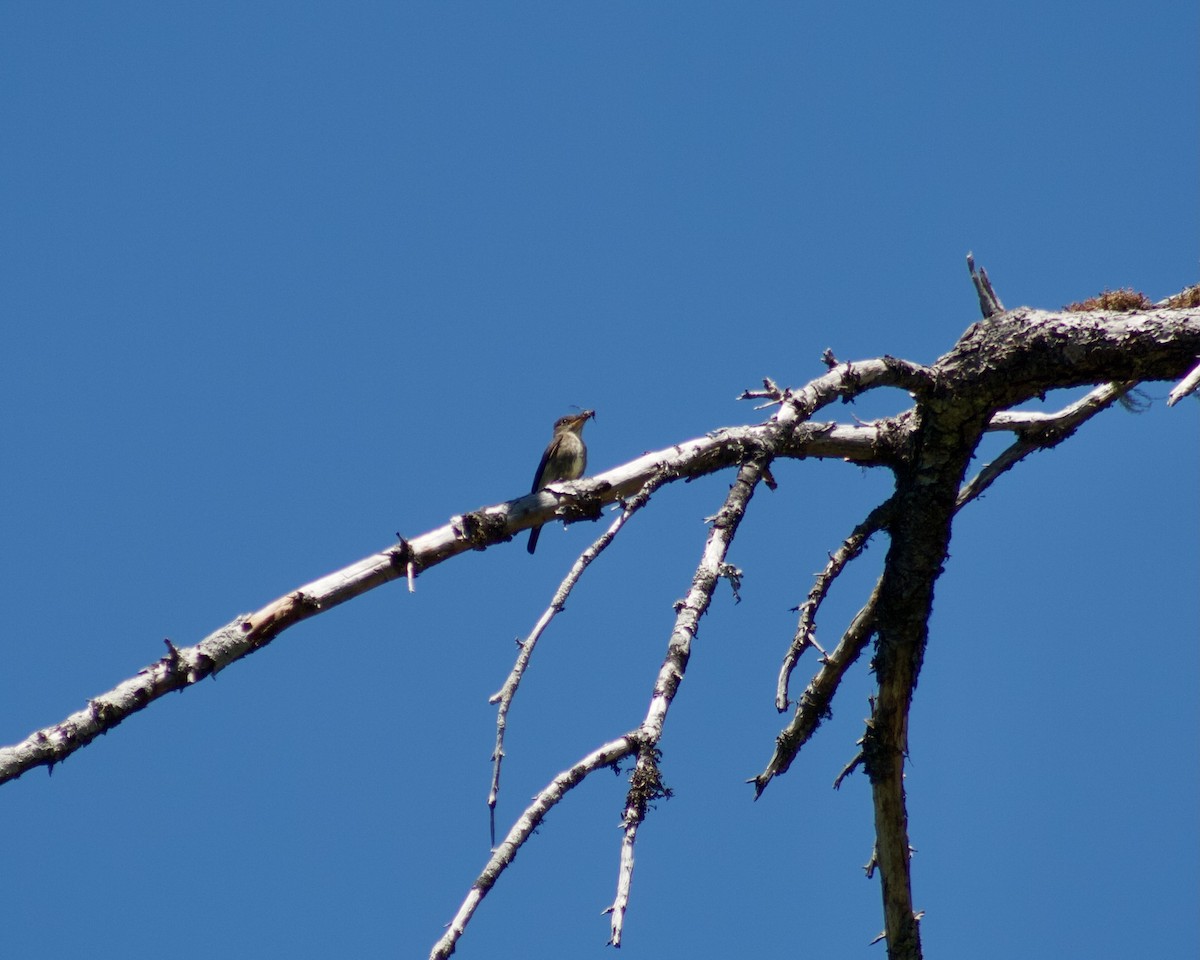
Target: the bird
(565, 458)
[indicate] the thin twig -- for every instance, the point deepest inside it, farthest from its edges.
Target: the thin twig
(648, 734)
(612, 752)
(849, 380)
(505, 695)
(689, 610)
(1039, 431)
(989, 303)
(645, 786)
(813, 705)
(1185, 386)
(847, 770)
(804, 637)
(1048, 429)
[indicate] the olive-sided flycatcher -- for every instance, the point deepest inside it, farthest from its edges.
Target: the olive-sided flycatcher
(565, 458)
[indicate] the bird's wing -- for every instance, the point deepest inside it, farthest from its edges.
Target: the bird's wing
(546, 454)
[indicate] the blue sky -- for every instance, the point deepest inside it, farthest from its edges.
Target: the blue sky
(259, 259)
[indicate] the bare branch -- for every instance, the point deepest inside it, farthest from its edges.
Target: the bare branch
(645, 786)
(989, 303)
(813, 706)
(504, 696)
(1062, 422)
(644, 740)
(1039, 431)
(848, 769)
(946, 434)
(688, 612)
(1010, 357)
(1022, 353)
(478, 530)
(849, 380)
(612, 752)
(1044, 430)
(1044, 353)
(804, 637)
(1013, 356)
(1185, 386)
(844, 381)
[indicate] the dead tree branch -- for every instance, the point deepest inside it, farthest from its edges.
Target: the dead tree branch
(805, 637)
(688, 612)
(502, 857)
(1006, 359)
(504, 697)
